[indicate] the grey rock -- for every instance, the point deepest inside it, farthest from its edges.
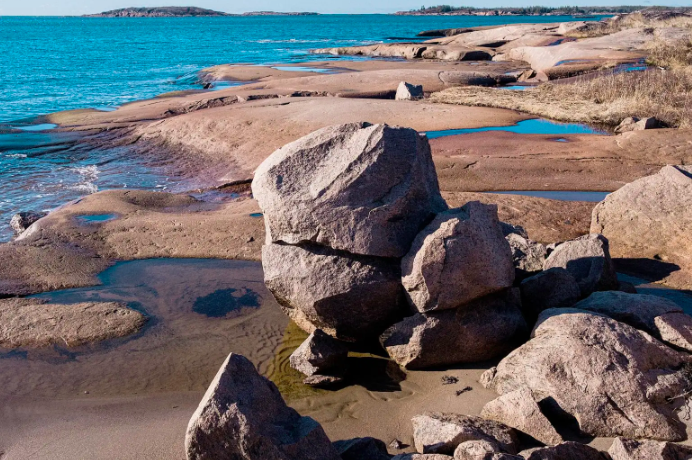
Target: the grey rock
(242, 416)
(349, 297)
(519, 409)
(482, 330)
(675, 329)
(362, 188)
(362, 449)
(528, 256)
(320, 354)
(409, 92)
(587, 258)
(476, 450)
(638, 124)
(23, 220)
(553, 288)
(441, 433)
(612, 378)
(631, 449)
(568, 450)
(509, 229)
(457, 258)
(323, 381)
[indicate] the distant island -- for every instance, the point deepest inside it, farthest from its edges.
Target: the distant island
(525, 11)
(182, 11)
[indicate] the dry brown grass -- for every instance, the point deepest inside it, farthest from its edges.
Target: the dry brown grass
(606, 100)
(631, 21)
(671, 55)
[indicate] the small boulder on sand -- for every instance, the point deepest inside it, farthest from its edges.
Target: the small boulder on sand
(553, 288)
(361, 188)
(518, 409)
(320, 354)
(612, 378)
(631, 449)
(587, 258)
(441, 433)
(459, 257)
(23, 220)
(409, 92)
(638, 124)
(243, 416)
(481, 330)
(568, 450)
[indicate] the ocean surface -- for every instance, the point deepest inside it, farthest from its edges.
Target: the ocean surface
(51, 64)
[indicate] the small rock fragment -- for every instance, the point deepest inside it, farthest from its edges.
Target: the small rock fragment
(409, 92)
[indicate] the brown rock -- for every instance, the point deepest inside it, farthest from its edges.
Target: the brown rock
(613, 379)
(366, 189)
(349, 297)
(568, 450)
(484, 329)
(553, 288)
(459, 257)
(518, 409)
(243, 416)
(630, 449)
(439, 433)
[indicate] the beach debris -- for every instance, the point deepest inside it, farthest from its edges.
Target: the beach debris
(520, 410)
(320, 356)
(478, 331)
(631, 449)
(605, 374)
(587, 258)
(459, 257)
(449, 380)
(243, 416)
(441, 433)
(567, 450)
(352, 298)
(463, 390)
(362, 449)
(639, 124)
(23, 220)
(409, 92)
(553, 288)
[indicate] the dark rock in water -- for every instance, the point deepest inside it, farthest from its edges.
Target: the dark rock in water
(23, 220)
(243, 417)
(208, 85)
(568, 450)
(322, 357)
(553, 288)
(362, 449)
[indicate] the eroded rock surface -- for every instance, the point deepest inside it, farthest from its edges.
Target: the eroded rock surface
(631, 449)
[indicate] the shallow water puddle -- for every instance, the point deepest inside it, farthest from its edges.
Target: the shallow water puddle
(532, 126)
(301, 69)
(97, 218)
(594, 197)
(514, 87)
(39, 127)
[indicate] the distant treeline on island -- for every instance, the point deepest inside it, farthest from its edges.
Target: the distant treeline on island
(522, 11)
(181, 11)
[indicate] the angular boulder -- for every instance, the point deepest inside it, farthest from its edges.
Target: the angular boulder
(348, 297)
(23, 220)
(361, 188)
(675, 329)
(612, 378)
(409, 92)
(651, 218)
(638, 124)
(587, 258)
(362, 449)
(527, 255)
(553, 288)
(242, 416)
(441, 433)
(481, 330)
(568, 450)
(460, 256)
(631, 449)
(320, 354)
(518, 409)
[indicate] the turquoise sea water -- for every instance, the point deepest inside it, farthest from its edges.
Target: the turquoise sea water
(50, 64)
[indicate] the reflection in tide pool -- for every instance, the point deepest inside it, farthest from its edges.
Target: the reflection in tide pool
(595, 197)
(533, 126)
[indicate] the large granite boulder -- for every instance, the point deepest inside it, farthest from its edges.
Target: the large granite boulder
(352, 298)
(362, 188)
(587, 258)
(553, 288)
(460, 256)
(631, 449)
(242, 416)
(651, 218)
(320, 355)
(612, 378)
(519, 409)
(441, 433)
(482, 330)
(568, 450)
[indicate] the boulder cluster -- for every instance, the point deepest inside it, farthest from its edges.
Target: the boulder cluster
(361, 250)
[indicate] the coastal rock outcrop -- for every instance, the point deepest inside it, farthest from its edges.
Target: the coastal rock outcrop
(347, 296)
(632, 449)
(612, 378)
(320, 355)
(478, 331)
(409, 92)
(362, 188)
(460, 256)
(518, 409)
(441, 433)
(587, 258)
(651, 218)
(243, 416)
(23, 220)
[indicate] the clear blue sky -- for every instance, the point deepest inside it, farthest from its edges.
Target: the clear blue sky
(78, 7)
